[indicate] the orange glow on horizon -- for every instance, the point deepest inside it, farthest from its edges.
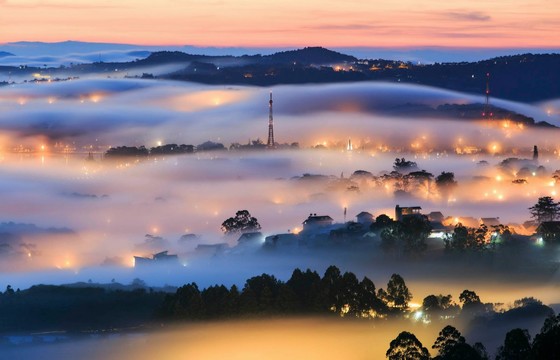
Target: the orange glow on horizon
(253, 23)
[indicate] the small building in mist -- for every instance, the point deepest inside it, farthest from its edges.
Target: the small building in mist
(250, 239)
(316, 222)
(407, 211)
(161, 258)
(549, 231)
(282, 241)
(211, 249)
(436, 216)
(365, 218)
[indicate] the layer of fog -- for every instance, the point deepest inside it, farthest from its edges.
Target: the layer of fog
(64, 51)
(291, 338)
(73, 59)
(108, 208)
(272, 339)
(124, 111)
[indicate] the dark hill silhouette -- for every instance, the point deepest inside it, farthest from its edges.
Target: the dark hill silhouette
(525, 77)
(4, 53)
(309, 55)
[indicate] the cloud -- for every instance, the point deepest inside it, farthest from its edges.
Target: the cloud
(468, 16)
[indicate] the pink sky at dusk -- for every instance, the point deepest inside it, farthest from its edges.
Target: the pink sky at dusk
(351, 23)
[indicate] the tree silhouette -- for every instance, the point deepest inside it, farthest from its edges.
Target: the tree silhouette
(448, 338)
(546, 344)
(517, 346)
(433, 305)
(241, 223)
(397, 292)
(468, 297)
(404, 166)
(463, 351)
(445, 183)
(407, 347)
(465, 238)
(545, 209)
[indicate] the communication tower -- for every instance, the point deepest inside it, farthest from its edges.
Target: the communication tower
(270, 142)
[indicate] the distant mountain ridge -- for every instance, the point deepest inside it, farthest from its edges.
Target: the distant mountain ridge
(525, 77)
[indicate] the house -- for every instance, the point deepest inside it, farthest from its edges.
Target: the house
(436, 216)
(212, 249)
(365, 218)
(161, 258)
(281, 241)
(351, 231)
(549, 231)
(314, 222)
(402, 212)
(251, 238)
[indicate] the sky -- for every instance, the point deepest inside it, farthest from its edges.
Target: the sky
(288, 23)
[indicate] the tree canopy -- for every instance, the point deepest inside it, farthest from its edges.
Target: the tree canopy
(546, 209)
(517, 346)
(448, 338)
(404, 166)
(397, 292)
(242, 222)
(407, 347)
(445, 182)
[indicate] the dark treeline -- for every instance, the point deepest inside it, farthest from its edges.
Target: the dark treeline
(451, 345)
(305, 293)
(142, 151)
(48, 308)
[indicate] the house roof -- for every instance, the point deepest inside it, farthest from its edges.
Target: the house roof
(549, 227)
(364, 213)
(248, 236)
(436, 213)
(315, 218)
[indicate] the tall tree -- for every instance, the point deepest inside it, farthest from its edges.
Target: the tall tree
(545, 209)
(445, 183)
(407, 347)
(398, 294)
(448, 338)
(517, 346)
(242, 222)
(467, 239)
(546, 344)
(468, 297)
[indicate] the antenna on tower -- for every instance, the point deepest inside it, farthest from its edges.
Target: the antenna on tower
(487, 113)
(270, 142)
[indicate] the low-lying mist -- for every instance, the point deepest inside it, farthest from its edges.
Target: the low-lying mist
(272, 339)
(81, 220)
